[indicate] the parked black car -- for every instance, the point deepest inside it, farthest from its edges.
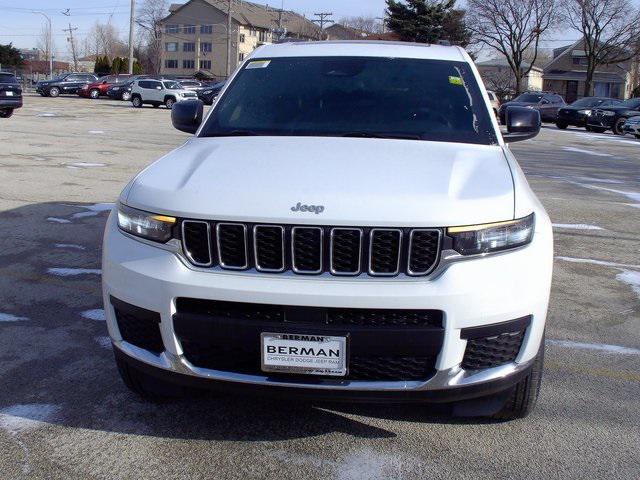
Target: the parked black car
(613, 118)
(120, 91)
(10, 94)
(579, 111)
(69, 83)
(209, 94)
(546, 103)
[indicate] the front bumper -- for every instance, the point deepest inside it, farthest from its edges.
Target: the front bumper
(471, 293)
(572, 118)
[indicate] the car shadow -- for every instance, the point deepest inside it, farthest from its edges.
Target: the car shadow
(57, 360)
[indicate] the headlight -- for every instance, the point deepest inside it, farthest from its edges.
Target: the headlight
(585, 112)
(492, 237)
(115, 89)
(144, 224)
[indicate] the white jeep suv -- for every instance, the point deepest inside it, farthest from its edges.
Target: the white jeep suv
(347, 223)
(155, 92)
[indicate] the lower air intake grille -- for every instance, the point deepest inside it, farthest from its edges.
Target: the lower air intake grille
(138, 326)
(492, 351)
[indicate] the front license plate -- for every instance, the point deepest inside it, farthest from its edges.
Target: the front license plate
(8, 94)
(304, 354)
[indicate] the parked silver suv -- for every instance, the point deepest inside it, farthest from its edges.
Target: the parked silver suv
(159, 92)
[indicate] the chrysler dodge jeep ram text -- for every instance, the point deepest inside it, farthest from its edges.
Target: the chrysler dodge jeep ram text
(346, 223)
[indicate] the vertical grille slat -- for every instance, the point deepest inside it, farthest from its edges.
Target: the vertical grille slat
(424, 249)
(306, 249)
(268, 245)
(346, 251)
(196, 242)
(232, 245)
(384, 251)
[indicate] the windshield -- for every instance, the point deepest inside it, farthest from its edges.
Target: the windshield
(172, 85)
(7, 78)
(631, 103)
(588, 102)
(354, 96)
(528, 98)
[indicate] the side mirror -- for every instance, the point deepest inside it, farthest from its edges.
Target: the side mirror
(186, 116)
(522, 124)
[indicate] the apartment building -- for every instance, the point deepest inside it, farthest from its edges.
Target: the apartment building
(194, 34)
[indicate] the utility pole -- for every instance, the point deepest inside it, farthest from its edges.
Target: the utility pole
(323, 18)
(73, 45)
(131, 27)
(50, 52)
(229, 38)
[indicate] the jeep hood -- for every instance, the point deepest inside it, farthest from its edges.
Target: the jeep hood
(375, 182)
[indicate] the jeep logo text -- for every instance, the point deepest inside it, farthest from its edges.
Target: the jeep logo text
(308, 208)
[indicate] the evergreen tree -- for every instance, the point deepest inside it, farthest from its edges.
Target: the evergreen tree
(124, 65)
(137, 68)
(115, 65)
(10, 56)
(427, 21)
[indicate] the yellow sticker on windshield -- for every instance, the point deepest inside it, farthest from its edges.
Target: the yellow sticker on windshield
(455, 80)
(258, 64)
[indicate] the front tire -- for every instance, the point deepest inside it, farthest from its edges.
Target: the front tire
(136, 101)
(169, 103)
(94, 94)
(523, 398)
(562, 125)
(6, 113)
(126, 96)
(54, 92)
(617, 127)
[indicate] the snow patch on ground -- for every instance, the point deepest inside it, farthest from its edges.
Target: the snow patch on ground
(576, 226)
(69, 245)
(602, 347)
(599, 180)
(47, 114)
(597, 262)
(586, 152)
(631, 278)
(9, 317)
(95, 314)
(96, 132)
(58, 220)
(25, 417)
(92, 210)
(71, 272)
(103, 341)
(86, 165)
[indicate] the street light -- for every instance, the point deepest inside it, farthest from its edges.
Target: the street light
(50, 42)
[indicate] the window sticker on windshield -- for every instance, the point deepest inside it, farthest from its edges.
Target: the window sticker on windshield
(455, 80)
(258, 64)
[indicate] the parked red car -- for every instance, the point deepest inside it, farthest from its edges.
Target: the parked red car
(99, 89)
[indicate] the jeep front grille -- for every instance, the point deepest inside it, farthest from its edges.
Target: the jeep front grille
(311, 250)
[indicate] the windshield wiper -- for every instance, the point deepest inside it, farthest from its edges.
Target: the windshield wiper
(402, 136)
(235, 133)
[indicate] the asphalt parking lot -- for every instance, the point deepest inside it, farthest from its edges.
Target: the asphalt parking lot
(64, 412)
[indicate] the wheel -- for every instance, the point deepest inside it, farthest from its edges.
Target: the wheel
(126, 96)
(561, 125)
(6, 113)
(95, 93)
(169, 103)
(147, 386)
(523, 398)
(136, 101)
(617, 127)
(54, 92)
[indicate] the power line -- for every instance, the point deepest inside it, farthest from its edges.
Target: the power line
(323, 18)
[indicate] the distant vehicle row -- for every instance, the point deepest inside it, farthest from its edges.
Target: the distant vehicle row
(596, 114)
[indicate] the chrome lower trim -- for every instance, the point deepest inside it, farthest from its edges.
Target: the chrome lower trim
(443, 379)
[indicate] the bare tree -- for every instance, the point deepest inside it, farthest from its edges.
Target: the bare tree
(364, 24)
(610, 31)
(42, 43)
(513, 28)
(501, 81)
(149, 35)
